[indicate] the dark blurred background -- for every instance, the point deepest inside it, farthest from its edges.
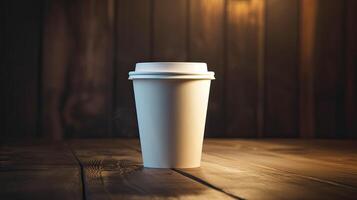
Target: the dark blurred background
(284, 68)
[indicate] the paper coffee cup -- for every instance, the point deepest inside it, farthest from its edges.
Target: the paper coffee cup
(171, 102)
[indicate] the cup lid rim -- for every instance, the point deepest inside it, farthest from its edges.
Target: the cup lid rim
(169, 73)
(184, 67)
(171, 63)
(178, 76)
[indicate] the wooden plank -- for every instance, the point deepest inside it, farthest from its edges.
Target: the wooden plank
(20, 67)
(84, 106)
(307, 25)
(41, 184)
(249, 169)
(322, 78)
(295, 160)
(329, 68)
(206, 44)
(249, 181)
(340, 152)
(56, 58)
(132, 45)
(244, 168)
(35, 170)
(351, 71)
(114, 170)
(169, 30)
(35, 155)
(244, 57)
(281, 70)
(87, 108)
(321, 73)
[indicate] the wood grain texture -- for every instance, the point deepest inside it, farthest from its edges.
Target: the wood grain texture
(309, 161)
(88, 102)
(35, 170)
(20, 67)
(249, 181)
(41, 184)
(55, 61)
(273, 175)
(206, 44)
(281, 69)
(351, 69)
(78, 68)
(339, 152)
(34, 155)
(244, 56)
(133, 44)
(112, 169)
(277, 169)
(169, 30)
(230, 169)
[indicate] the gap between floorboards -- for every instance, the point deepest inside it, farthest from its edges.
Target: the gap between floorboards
(196, 179)
(81, 168)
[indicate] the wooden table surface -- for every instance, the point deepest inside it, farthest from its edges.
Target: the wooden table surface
(231, 169)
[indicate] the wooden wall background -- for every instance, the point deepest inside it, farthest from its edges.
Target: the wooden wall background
(284, 68)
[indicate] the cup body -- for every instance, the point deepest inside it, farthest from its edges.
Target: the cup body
(171, 112)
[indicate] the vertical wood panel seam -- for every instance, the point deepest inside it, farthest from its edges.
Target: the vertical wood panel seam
(188, 23)
(265, 88)
(340, 89)
(307, 110)
(260, 71)
(340, 101)
(298, 78)
(349, 110)
(312, 82)
(114, 69)
(313, 71)
(40, 72)
(152, 9)
(225, 65)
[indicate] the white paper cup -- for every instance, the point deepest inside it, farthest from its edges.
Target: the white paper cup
(171, 102)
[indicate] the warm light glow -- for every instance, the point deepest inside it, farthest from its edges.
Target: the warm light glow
(245, 11)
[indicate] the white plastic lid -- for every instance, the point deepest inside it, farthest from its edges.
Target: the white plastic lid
(171, 70)
(186, 67)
